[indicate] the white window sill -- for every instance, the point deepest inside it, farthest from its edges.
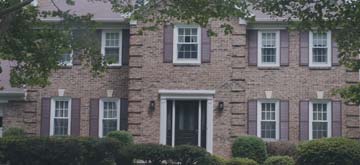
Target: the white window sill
(180, 62)
(270, 140)
(268, 66)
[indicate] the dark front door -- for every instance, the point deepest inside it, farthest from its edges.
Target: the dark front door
(186, 122)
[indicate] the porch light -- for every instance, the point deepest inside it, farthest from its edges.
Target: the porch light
(152, 106)
(221, 106)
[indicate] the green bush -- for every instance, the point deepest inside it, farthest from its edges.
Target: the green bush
(122, 136)
(186, 154)
(150, 153)
(281, 148)
(241, 161)
(250, 147)
(217, 160)
(329, 151)
(14, 132)
(58, 151)
(279, 160)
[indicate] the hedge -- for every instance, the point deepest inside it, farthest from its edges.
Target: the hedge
(250, 147)
(279, 160)
(59, 151)
(281, 148)
(122, 136)
(14, 132)
(329, 151)
(241, 161)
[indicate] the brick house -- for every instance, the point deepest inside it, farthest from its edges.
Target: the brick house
(177, 86)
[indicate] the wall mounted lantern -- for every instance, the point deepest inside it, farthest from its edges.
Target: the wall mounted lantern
(221, 106)
(152, 106)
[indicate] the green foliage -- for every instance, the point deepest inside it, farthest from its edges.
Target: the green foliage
(249, 147)
(329, 151)
(37, 46)
(153, 153)
(187, 154)
(59, 151)
(14, 132)
(241, 161)
(123, 137)
(155, 12)
(279, 160)
(281, 148)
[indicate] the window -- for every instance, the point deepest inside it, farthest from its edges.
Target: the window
(320, 49)
(66, 59)
(109, 116)
(60, 116)
(187, 44)
(320, 118)
(268, 119)
(268, 49)
(111, 47)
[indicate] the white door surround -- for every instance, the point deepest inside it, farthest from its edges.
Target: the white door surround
(188, 95)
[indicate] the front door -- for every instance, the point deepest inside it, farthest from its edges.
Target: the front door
(186, 122)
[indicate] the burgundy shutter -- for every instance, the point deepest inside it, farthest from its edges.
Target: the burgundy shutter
(253, 47)
(284, 120)
(205, 46)
(336, 118)
(125, 47)
(94, 118)
(45, 116)
(304, 48)
(124, 114)
(284, 48)
(334, 51)
(168, 43)
(252, 117)
(75, 117)
(304, 120)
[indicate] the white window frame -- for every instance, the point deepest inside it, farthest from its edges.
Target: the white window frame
(52, 114)
(329, 52)
(328, 117)
(277, 58)
(176, 60)
(71, 60)
(101, 113)
(277, 119)
(103, 43)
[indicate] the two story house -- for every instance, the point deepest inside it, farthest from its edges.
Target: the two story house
(177, 85)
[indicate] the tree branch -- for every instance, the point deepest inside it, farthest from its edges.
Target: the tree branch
(14, 7)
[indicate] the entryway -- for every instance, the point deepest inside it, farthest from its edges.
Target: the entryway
(186, 118)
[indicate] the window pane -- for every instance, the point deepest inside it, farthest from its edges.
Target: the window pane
(320, 112)
(112, 55)
(61, 108)
(268, 129)
(110, 110)
(65, 58)
(108, 126)
(320, 55)
(187, 51)
(320, 130)
(112, 39)
(60, 127)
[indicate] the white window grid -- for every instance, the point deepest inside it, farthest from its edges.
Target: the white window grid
(109, 111)
(193, 32)
(60, 110)
(269, 40)
(112, 39)
(319, 114)
(320, 49)
(268, 112)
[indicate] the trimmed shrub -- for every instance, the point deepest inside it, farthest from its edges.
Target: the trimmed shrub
(186, 154)
(329, 151)
(122, 136)
(217, 160)
(14, 132)
(279, 160)
(250, 147)
(241, 161)
(281, 148)
(150, 153)
(58, 151)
